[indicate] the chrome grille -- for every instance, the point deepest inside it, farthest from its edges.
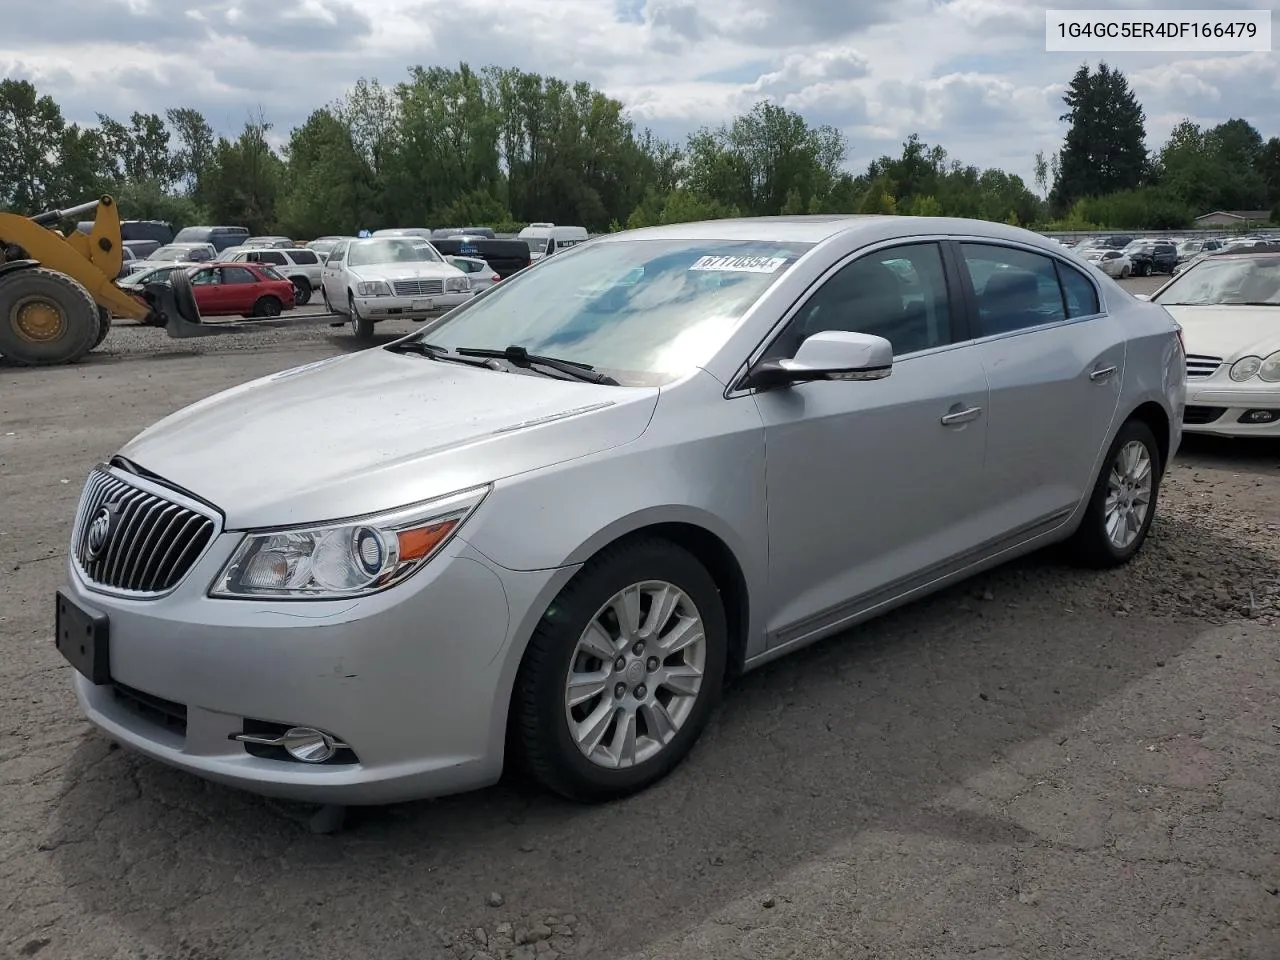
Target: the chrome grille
(418, 288)
(153, 541)
(1199, 366)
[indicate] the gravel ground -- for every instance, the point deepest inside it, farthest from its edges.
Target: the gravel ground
(1043, 762)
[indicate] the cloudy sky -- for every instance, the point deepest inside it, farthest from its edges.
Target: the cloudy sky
(971, 75)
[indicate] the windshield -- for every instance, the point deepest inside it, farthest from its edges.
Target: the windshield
(536, 244)
(364, 253)
(1212, 281)
(643, 311)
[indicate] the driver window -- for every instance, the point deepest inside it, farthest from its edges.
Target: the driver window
(899, 293)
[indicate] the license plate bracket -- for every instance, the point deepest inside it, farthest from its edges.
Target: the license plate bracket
(423, 304)
(83, 638)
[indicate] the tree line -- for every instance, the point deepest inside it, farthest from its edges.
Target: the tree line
(503, 147)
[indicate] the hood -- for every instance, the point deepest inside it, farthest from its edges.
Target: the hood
(1229, 332)
(405, 271)
(375, 431)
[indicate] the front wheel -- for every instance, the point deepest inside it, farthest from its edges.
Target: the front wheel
(1124, 273)
(1123, 502)
(362, 327)
(622, 672)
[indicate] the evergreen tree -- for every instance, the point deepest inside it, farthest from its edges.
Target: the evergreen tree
(1105, 149)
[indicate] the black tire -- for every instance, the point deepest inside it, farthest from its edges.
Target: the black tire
(301, 291)
(362, 327)
(540, 728)
(78, 326)
(104, 326)
(1091, 546)
(267, 307)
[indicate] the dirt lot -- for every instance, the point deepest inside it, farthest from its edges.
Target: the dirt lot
(1045, 763)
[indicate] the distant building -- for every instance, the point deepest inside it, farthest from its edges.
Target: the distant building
(1234, 218)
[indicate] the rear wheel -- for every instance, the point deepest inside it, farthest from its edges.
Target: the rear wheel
(1123, 503)
(46, 318)
(267, 307)
(301, 291)
(362, 327)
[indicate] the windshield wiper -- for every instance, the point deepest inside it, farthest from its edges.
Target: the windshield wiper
(520, 357)
(437, 352)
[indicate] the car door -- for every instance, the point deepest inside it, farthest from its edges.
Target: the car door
(873, 486)
(1055, 363)
(206, 283)
(240, 289)
(332, 278)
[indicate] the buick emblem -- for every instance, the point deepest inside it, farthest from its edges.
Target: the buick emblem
(98, 537)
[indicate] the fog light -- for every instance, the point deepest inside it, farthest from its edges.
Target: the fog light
(309, 745)
(305, 744)
(1258, 416)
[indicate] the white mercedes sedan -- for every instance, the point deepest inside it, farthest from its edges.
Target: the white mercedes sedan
(1228, 305)
(548, 526)
(382, 278)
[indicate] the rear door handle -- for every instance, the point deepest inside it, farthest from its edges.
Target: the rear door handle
(961, 416)
(1102, 373)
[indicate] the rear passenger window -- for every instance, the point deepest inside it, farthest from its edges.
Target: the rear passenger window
(304, 257)
(1082, 298)
(1015, 289)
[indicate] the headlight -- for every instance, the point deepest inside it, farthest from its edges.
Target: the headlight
(373, 288)
(346, 558)
(1244, 368)
(1269, 369)
(457, 284)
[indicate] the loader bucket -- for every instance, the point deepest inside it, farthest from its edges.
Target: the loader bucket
(174, 302)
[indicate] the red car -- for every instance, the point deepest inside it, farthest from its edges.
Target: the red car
(247, 289)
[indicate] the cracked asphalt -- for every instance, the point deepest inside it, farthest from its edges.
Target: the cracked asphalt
(1041, 763)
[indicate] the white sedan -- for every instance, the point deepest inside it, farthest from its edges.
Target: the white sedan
(384, 278)
(1228, 305)
(1114, 263)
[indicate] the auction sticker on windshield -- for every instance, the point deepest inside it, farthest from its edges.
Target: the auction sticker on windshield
(740, 264)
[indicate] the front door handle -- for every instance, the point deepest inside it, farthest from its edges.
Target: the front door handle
(961, 416)
(1102, 373)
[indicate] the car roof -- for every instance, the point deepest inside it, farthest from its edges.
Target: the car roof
(815, 228)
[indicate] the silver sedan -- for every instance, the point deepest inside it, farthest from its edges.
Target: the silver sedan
(551, 523)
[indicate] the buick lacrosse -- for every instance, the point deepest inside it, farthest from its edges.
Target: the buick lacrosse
(546, 527)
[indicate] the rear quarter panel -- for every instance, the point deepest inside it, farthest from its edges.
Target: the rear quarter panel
(1155, 365)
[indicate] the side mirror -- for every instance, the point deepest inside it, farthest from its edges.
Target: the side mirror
(448, 259)
(830, 355)
(1142, 296)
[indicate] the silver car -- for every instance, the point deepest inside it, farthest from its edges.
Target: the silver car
(603, 487)
(482, 275)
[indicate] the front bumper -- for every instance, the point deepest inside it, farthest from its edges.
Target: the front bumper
(1219, 410)
(409, 308)
(415, 680)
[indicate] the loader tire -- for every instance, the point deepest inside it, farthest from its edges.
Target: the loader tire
(46, 318)
(104, 327)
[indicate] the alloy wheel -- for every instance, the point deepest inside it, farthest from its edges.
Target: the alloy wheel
(1129, 486)
(635, 674)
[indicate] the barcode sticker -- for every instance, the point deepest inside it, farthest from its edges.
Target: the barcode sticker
(740, 264)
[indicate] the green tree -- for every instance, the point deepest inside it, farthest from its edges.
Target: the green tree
(1104, 150)
(926, 206)
(31, 132)
(328, 188)
(195, 147)
(1269, 168)
(243, 180)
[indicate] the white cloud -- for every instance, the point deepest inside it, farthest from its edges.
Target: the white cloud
(971, 75)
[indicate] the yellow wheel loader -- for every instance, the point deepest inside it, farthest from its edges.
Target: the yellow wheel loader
(58, 293)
